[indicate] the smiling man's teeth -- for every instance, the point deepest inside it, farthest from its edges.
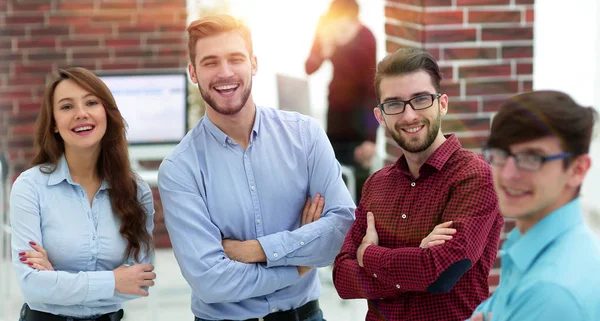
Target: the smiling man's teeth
(413, 130)
(226, 87)
(514, 193)
(80, 129)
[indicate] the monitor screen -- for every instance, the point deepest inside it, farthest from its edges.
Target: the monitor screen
(293, 94)
(153, 105)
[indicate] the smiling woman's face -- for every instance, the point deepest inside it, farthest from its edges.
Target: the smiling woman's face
(80, 116)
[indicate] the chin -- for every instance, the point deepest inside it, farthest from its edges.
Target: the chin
(87, 146)
(514, 212)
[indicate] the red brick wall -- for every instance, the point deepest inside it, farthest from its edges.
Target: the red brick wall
(39, 36)
(485, 50)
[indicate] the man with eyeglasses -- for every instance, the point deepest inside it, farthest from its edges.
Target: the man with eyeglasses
(538, 149)
(427, 228)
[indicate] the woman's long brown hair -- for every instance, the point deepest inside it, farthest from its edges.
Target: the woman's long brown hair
(113, 163)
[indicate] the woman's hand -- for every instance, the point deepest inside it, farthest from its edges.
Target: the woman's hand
(37, 259)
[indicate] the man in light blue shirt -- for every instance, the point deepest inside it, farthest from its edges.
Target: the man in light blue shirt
(234, 189)
(538, 148)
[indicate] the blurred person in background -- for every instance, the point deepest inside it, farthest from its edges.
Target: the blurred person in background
(539, 151)
(350, 46)
(253, 197)
(427, 228)
(81, 218)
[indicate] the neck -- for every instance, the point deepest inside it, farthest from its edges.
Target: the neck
(82, 164)
(237, 126)
(416, 160)
(351, 28)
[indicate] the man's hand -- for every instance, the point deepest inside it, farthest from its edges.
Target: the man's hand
(131, 279)
(371, 238)
(440, 234)
(479, 317)
(244, 251)
(312, 210)
(363, 154)
(252, 252)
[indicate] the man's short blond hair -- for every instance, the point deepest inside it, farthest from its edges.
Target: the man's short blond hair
(214, 25)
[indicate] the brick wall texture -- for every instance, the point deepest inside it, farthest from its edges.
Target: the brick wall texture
(485, 50)
(39, 36)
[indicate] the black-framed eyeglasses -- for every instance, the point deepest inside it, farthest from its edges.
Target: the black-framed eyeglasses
(526, 161)
(394, 107)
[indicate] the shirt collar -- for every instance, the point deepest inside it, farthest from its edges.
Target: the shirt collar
(62, 173)
(222, 138)
(438, 158)
(524, 249)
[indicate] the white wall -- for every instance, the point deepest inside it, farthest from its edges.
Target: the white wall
(566, 51)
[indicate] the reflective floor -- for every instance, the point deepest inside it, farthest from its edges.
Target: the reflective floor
(170, 297)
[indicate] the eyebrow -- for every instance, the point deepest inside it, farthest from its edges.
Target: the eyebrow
(420, 93)
(234, 54)
(69, 98)
(532, 150)
(237, 54)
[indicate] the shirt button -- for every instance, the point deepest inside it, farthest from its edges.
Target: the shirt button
(275, 255)
(246, 156)
(257, 221)
(301, 243)
(413, 184)
(397, 286)
(228, 140)
(252, 187)
(374, 275)
(403, 216)
(93, 258)
(223, 145)
(94, 237)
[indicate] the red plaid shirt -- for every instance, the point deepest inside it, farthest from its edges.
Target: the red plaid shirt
(403, 281)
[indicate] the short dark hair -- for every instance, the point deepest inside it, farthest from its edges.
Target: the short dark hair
(529, 116)
(405, 61)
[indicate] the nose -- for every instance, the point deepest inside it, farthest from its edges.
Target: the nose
(510, 171)
(409, 114)
(80, 112)
(225, 70)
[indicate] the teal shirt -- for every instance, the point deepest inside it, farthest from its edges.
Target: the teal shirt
(551, 273)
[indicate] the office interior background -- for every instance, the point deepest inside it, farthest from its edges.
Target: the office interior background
(488, 51)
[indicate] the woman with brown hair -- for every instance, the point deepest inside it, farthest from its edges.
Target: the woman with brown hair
(85, 213)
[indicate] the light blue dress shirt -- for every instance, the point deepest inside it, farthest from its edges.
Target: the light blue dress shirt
(212, 189)
(82, 241)
(550, 273)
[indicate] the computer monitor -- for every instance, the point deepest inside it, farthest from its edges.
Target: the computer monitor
(153, 105)
(293, 94)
